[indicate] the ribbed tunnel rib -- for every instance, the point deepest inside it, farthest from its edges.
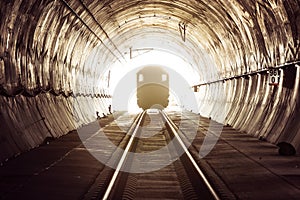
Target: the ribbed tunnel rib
(49, 86)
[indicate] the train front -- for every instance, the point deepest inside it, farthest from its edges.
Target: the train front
(152, 88)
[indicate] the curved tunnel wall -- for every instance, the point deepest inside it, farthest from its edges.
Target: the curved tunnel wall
(43, 88)
(257, 108)
(47, 88)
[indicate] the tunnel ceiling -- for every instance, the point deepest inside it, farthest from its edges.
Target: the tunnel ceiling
(46, 43)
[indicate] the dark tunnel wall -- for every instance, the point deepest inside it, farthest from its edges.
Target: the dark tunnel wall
(48, 89)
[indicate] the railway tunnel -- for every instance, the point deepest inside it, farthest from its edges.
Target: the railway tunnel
(58, 59)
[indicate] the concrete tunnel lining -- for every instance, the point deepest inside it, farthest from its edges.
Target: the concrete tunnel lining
(44, 46)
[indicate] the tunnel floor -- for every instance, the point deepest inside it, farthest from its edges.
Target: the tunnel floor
(239, 166)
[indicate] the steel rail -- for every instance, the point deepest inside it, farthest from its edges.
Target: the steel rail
(113, 180)
(173, 128)
(241, 152)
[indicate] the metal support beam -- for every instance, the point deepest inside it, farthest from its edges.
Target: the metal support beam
(250, 74)
(182, 29)
(143, 50)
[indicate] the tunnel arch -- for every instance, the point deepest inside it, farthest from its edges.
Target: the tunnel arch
(48, 89)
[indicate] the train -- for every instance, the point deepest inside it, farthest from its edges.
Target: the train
(152, 88)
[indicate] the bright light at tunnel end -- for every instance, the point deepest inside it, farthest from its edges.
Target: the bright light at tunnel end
(154, 58)
(124, 98)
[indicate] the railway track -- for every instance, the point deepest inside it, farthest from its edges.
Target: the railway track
(181, 179)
